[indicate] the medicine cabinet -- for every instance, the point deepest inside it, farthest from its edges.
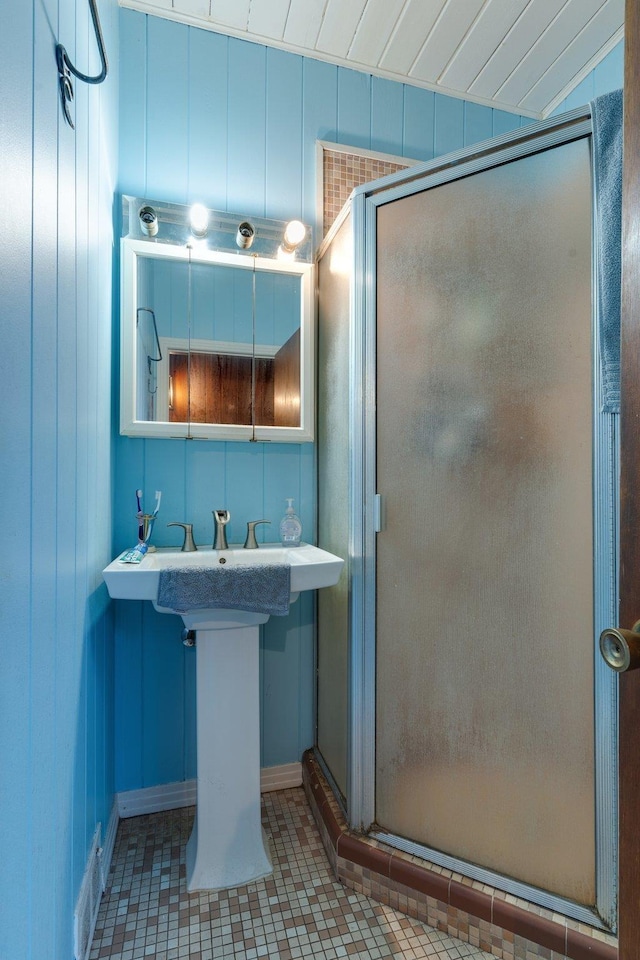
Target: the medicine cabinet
(215, 344)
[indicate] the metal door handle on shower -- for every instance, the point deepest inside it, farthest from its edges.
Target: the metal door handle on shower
(621, 648)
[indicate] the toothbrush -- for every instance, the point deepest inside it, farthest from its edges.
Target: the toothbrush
(158, 499)
(140, 527)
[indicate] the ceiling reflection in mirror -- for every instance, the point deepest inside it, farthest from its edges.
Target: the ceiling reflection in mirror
(215, 344)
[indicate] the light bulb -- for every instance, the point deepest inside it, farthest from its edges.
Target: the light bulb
(294, 233)
(199, 220)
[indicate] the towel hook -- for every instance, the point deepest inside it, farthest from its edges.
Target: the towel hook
(66, 68)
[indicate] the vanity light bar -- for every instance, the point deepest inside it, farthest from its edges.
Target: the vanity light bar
(161, 222)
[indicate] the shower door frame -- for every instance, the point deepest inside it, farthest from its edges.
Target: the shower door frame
(368, 518)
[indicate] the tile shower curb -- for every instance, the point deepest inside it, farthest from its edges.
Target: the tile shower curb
(487, 918)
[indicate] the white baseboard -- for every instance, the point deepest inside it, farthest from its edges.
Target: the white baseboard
(109, 843)
(171, 796)
(86, 910)
(93, 885)
(280, 778)
(166, 796)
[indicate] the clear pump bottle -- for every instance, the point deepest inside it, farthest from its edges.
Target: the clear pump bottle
(290, 527)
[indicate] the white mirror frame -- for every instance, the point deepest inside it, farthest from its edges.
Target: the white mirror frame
(131, 427)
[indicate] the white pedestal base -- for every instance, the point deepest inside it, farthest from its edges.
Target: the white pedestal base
(227, 847)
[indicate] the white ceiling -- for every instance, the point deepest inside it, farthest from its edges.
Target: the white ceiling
(524, 56)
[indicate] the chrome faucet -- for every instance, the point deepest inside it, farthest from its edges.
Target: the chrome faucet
(189, 544)
(251, 543)
(221, 519)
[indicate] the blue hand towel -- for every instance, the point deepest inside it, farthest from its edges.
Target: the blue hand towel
(258, 588)
(606, 112)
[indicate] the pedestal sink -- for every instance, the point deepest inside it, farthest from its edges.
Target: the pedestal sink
(226, 847)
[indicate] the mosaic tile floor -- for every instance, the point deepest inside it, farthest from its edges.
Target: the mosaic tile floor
(299, 911)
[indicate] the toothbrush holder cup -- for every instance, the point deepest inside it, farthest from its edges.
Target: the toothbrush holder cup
(145, 527)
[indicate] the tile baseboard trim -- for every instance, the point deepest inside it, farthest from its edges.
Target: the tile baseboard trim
(171, 796)
(472, 912)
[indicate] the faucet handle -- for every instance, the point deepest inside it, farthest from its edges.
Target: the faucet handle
(251, 543)
(188, 545)
(220, 519)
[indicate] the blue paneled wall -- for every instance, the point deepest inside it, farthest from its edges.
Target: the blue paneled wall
(234, 125)
(56, 665)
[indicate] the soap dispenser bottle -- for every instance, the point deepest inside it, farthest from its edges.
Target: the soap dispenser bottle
(290, 527)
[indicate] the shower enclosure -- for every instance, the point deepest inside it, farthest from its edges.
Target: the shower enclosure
(467, 472)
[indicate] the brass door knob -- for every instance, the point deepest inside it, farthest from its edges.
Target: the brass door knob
(621, 648)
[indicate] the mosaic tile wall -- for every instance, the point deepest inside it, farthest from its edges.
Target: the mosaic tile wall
(344, 171)
(496, 922)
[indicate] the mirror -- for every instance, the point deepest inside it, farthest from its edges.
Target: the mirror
(215, 345)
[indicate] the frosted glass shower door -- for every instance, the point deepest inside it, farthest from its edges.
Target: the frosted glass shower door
(484, 589)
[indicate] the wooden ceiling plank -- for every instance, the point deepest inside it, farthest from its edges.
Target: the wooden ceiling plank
(231, 13)
(303, 23)
(193, 8)
(417, 19)
(564, 28)
(378, 22)
(589, 41)
(487, 33)
(533, 22)
(268, 18)
(443, 41)
(339, 25)
(164, 7)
